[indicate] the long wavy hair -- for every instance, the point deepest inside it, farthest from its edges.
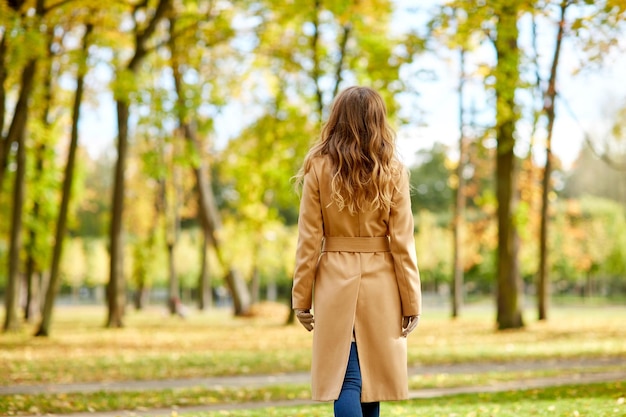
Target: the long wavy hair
(361, 146)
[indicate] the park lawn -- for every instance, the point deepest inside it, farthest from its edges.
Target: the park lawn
(42, 404)
(157, 346)
(605, 397)
(594, 400)
(494, 378)
(63, 403)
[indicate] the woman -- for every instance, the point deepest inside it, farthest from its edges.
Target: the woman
(355, 259)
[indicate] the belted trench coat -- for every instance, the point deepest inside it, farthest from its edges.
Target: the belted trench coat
(358, 272)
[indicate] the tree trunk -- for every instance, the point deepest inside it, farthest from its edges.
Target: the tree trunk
(16, 134)
(241, 297)
(11, 319)
(54, 282)
(210, 217)
(174, 288)
(543, 281)
(205, 295)
(459, 206)
(589, 287)
(343, 45)
(141, 295)
(116, 288)
(509, 292)
(211, 220)
(291, 318)
(172, 225)
(32, 308)
(32, 265)
(208, 211)
(20, 116)
(255, 276)
(255, 285)
(316, 71)
(4, 143)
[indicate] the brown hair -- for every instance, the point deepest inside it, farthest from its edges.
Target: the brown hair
(361, 146)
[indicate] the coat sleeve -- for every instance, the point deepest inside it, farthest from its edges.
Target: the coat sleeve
(310, 233)
(402, 242)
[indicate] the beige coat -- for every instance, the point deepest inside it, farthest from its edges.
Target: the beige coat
(361, 284)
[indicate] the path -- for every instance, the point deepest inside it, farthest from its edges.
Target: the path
(585, 375)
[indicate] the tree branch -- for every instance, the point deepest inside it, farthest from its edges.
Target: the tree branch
(3, 76)
(142, 37)
(316, 63)
(59, 4)
(342, 54)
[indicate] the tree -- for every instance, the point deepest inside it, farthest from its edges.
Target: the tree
(498, 21)
(20, 113)
(590, 233)
(459, 201)
(455, 25)
(214, 31)
(11, 321)
(171, 196)
(43, 173)
(506, 74)
(266, 148)
(116, 289)
(61, 228)
(311, 52)
(582, 178)
(429, 180)
(34, 247)
(543, 282)
(607, 16)
(305, 55)
(17, 135)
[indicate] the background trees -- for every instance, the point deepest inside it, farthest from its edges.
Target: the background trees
(216, 105)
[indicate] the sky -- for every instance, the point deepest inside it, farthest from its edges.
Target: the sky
(586, 104)
(590, 95)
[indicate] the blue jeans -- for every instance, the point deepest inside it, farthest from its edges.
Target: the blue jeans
(349, 402)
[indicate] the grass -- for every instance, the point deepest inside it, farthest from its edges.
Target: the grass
(597, 400)
(156, 346)
(494, 378)
(106, 401)
(153, 346)
(197, 396)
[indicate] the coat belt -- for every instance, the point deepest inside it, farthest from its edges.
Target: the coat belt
(355, 244)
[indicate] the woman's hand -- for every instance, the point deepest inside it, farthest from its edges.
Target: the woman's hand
(305, 318)
(409, 323)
